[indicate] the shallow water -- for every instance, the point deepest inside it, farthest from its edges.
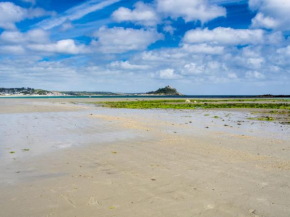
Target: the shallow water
(33, 135)
(45, 132)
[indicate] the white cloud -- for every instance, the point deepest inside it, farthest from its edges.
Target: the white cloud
(275, 38)
(224, 36)
(254, 75)
(261, 21)
(12, 49)
(168, 74)
(190, 10)
(37, 40)
(142, 15)
(12, 37)
(38, 12)
(232, 75)
(120, 40)
(67, 46)
(66, 26)
(284, 51)
(193, 68)
(202, 49)
(272, 14)
(75, 13)
(127, 65)
(259, 61)
(170, 29)
(11, 14)
(34, 36)
(256, 63)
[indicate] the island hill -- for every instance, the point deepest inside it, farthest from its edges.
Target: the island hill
(168, 91)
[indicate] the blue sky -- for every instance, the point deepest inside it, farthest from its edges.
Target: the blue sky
(197, 46)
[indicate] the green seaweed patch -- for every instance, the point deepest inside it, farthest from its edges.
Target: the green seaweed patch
(266, 118)
(286, 123)
(12, 152)
(196, 101)
(217, 117)
(25, 149)
(172, 104)
(279, 112)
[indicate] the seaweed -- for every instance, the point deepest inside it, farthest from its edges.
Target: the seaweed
(179, 104)
(264, 118)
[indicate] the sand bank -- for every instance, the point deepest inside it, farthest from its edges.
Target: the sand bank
(80, 160)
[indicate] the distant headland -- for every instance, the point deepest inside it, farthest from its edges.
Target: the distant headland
(27, 91)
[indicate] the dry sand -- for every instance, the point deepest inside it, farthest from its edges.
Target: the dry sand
(89, 161)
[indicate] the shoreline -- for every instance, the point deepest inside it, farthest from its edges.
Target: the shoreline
(151, 96)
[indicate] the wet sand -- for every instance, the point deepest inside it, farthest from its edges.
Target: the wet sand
(59, 158)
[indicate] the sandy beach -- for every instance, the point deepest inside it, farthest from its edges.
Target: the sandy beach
(67, 158)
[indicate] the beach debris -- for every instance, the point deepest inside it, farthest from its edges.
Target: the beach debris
(252, 211)
(114, 152)
(153, 179)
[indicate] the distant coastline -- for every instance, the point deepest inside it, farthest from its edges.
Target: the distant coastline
(166, 92)
(145, 96)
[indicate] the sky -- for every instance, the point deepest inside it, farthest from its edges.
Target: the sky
(200, 47)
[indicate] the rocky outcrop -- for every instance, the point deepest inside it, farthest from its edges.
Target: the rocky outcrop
(168, 91)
